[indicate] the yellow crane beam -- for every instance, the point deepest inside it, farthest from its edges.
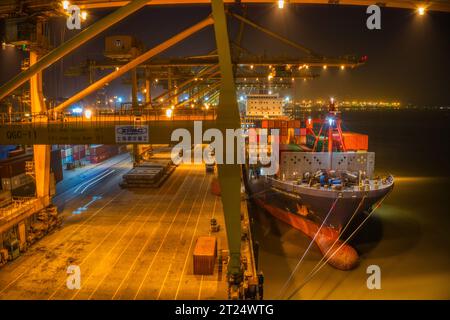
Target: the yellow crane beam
(135, 62)
(71, 45)
(436, 5)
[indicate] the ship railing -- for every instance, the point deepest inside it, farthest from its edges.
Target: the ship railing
(97, 117)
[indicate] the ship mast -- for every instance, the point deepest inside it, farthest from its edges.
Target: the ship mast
(333, 120)
(331, 124)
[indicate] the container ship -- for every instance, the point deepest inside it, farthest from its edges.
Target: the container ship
(325, 181)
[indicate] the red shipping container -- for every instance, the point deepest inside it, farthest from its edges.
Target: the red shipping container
(271, 123)
(265, 124)
(11, 167)
(79, 155)
(302, 131)
(284, 123)
(354, 141)
(205, 253)
(284, 139)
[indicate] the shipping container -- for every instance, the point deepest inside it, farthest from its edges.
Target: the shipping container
(99, 153)
(265, 124)
(16, 152)
(205, 253)
(5, 149)
(11, 167)
(355, 141)
(284, 139)
(56, 165)
(80, 154)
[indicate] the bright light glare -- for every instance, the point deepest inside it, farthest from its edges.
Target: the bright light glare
(324, 67)
(330, 121)
(342, 67)
(88, 113)
(77, 110)
(206, 106)
(169, 113)
(280, 4)
(83, 15)
(421, 11)
(65, 5)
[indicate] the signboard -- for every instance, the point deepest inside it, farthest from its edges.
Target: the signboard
(132, 134)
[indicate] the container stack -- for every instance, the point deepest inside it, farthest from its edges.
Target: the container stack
(101, 152)
(149, 174)
(353, 141)
(290, 131)
(13, 175)
(66, 153)
(78, 152)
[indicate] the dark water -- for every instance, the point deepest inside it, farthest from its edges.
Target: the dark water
(407, 237)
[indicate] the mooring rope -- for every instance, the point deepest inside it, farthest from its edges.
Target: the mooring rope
(307, 249)
(313, 273)
(341, 232)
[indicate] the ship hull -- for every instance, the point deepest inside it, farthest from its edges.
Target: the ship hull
(332, 209)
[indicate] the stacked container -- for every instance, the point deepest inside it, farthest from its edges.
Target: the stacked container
(102, 152)
(290, 130)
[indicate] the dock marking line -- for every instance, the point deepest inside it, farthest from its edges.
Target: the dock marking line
(181, 237)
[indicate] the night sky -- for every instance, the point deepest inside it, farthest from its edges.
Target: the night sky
(408, 57)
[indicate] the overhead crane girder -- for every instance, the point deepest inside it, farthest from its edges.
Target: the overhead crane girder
(437, 5)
